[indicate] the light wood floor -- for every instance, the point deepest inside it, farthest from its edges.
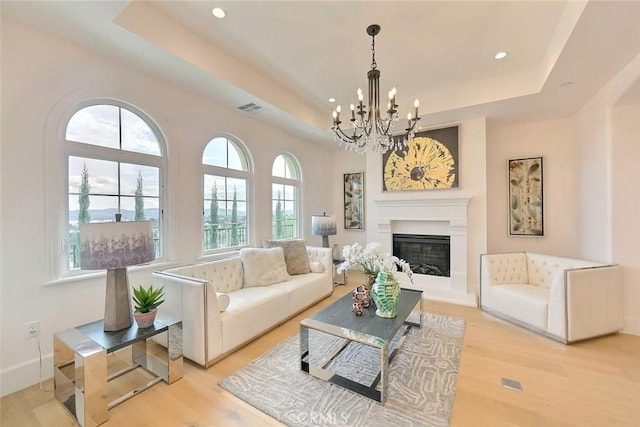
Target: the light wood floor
(594, 383)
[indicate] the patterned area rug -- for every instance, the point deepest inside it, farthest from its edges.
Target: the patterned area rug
(422, 380)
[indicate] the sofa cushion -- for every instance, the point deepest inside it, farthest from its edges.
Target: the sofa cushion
(263, 267)
(526, 303)
(295, 254)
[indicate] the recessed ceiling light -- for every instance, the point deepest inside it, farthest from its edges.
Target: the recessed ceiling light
(218, 13)
(500, 55)
(332, 100)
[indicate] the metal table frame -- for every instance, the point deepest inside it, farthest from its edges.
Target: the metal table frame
(81, 364)
(362, 330)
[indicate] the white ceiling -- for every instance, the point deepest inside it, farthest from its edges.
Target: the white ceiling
(290, 56)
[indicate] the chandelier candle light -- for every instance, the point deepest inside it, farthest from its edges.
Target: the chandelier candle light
(372, 131)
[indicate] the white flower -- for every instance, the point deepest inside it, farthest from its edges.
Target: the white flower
(372, 259)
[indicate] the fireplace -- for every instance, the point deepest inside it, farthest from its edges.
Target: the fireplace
(426, 254)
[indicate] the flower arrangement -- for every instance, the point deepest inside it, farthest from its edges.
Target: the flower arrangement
(372, 259)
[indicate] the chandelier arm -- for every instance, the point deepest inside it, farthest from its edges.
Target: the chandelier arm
(344, 137)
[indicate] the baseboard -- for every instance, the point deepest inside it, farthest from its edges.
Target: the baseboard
(631, 326)
(25, 374)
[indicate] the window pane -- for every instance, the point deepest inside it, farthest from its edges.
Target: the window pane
(150, 175)
(102, 175)
(215, 153)
(289, 192)
(148, 210)
(284, 166)
(237, 187)
(278, 168)
(277, 191)
(236, 158)
(137, 135)
(97, 125)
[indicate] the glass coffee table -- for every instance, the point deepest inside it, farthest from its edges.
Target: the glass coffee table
(368, 329)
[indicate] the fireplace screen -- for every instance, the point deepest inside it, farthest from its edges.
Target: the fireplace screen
(426, 254)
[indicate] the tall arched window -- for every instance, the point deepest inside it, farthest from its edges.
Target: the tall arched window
(226, 184)
(115, 165)
(285, 195)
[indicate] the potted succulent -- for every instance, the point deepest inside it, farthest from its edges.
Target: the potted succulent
(146, 301)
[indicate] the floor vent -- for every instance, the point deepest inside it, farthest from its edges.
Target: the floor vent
(511, 384)
(250, 107)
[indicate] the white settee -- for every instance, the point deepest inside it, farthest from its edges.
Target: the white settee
(563, 298)
(225, 303)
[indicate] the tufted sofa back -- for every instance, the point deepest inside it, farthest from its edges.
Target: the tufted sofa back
(543, 269)
(225, 275)
(507, 268)
(320, 255)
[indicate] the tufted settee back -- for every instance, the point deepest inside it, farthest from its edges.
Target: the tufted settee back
(508, 268)
(225, 275)
(543, 269)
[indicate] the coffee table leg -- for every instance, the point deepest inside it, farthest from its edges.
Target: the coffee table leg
(304, 347)
(384, 372)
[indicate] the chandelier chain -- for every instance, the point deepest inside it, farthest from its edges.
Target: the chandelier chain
(373, 53)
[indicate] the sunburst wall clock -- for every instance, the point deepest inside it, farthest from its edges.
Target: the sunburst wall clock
(429, 161)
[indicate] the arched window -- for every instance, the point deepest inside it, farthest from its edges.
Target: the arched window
(285, 196)
(115, 165)
(226, 183)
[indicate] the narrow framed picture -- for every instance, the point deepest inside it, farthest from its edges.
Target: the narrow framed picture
(354, 201)
(526, 205)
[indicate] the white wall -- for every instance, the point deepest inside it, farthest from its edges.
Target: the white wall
(553, 140)
(626, 207)
(591, 127)
(346, 161)
(41, 76)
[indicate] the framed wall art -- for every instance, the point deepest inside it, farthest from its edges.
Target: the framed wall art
(526, 207)
(354, 201)
(429, 161)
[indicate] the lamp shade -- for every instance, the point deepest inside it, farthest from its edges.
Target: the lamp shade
(323, 225)
(107, 245)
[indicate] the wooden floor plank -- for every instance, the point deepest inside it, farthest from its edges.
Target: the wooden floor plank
(592, 383)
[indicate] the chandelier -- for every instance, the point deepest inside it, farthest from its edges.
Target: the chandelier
(371, 129)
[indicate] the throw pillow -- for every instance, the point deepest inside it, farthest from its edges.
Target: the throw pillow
(263, 267)
(295, 254)
(223, 301)
(316, 267)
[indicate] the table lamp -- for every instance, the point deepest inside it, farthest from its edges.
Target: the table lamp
(324, 225)
(114, 246)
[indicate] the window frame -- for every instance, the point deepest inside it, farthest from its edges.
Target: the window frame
(294, 164)
(61, 269)
(246, 174)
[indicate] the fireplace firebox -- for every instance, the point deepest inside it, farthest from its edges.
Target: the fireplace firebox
(426, 254)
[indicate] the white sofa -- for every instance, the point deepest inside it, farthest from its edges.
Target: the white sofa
(225, 303)
(563, 298)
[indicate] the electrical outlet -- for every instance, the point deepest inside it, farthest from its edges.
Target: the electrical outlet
(32, 328)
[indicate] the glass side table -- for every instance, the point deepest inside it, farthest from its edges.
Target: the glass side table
(96, 370)
(339, 279)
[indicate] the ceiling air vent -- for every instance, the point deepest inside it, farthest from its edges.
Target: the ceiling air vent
(250, 107)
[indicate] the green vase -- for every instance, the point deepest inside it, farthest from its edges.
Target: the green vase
(385, 293)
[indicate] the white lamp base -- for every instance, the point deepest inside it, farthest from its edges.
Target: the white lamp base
(117, 304)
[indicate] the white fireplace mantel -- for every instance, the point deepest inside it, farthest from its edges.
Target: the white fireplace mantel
(418, 214)
(449, 201)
